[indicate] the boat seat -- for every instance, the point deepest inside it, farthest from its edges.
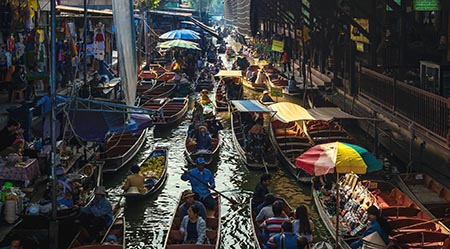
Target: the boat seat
(400, 211)
(212, 236)
(212, 223)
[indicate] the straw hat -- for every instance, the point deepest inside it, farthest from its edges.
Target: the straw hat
(100, 190)
(204, 91)
(188, 193)
(201, 127)
(266, 92)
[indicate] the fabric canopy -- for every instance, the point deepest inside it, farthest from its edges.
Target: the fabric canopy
(249, 106)
(205, 27)
(183, 34)
(288, 112)
(229, 73)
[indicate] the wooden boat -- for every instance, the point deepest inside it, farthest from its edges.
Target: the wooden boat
(121, 148)
(287, 209)
(290, 141)
(431, 196)
(326, 132)
(192, 153)
(213, 224)
(205, 83)
(224, 93)
(403, 214)
(170, 110)
(144, 86)
(162, 90)
(154, 169)
(251, 85)
(152, 72)
(275, 79)
(117, 229)
(268, 159)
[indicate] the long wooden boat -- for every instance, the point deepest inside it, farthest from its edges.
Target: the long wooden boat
(116, 230)
(326, 132)
(144, 86)
(290, 141)
(224, 93)
(213, 224)
(192, 153)
(240, 130)
(171, 111)
(251, 85)
(287, 209)
(205, 83)
(121, 148)
(430, 195)
(154, 169)
(161, 90)
(404, 215)
(275, 79)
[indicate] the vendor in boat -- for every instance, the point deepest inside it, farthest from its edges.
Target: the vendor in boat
(261, 190)
(197, 114)
(188, 197)
(204, 99)
(193, 227)
(203, 139)
(135, 181)
(214, 126)
(260, 78)
(265, 98)
(201, 188)
(11, 139)
(376, 224)
(98, 215)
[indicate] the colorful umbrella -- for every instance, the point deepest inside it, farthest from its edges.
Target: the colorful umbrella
(337, 157)
(184, 34)
(179, 44)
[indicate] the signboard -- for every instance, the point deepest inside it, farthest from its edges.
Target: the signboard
(389, 8)
(426, 5)
(355, 35)
(359, 46)
(276, 92)
(277, 46)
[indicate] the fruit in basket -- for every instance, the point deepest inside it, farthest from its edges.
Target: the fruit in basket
(153, 167)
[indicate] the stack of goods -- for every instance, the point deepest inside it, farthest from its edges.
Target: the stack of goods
(153, 168)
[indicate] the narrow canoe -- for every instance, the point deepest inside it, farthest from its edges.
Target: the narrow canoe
(171, 111)
(326, 132)
(121, 148)
(207, 83)
(161, 90)
(210, 156)
(251, 85)
(222, 95)
(154, 169)
(213, 224)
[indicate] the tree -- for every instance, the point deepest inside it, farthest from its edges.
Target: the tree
(147, 4)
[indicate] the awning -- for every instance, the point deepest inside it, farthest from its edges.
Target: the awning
(288, 112)
(170, 13)
(205, 27)
(249, 106)
(77, 9)
(229, 73)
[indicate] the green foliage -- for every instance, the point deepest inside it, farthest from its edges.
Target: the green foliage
(147, 4)
(213, 6)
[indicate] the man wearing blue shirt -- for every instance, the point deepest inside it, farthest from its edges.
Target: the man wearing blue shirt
(201, 180)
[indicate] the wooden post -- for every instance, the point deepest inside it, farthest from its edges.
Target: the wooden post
(337, 210)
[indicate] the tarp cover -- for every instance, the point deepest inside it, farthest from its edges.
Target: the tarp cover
(229, 73)
(249, 106)
(288, 112)
(126, 47)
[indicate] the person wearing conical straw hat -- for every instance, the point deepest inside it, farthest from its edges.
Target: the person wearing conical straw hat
(204, 99)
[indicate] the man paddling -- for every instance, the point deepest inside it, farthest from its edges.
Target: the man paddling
(260, 191)
(201, 188)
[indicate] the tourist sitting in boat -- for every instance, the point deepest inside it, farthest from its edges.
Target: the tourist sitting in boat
(292, 84)
(265, 98)
(287, 238)
(135, 182)
(266, 210)
(302, 243)
(203, 139)
(197, 114)
(272, 226)
(98, 215)
(188, 197)
(11, 139)
(204, 99)
(261, 190)
(214, 126)
(201, 189)
(193, 227)
(303, 226)
(260, 78)
(376, 224)
(257, 140)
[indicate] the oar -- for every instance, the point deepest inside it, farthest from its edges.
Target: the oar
(264, 163)
(216, 191)
(117, 206)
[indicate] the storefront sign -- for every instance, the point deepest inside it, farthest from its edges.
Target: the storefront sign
(277, 46)
(355, 34)
(426, 5)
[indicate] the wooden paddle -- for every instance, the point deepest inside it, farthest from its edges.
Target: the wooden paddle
(117, 206)
(213, 189)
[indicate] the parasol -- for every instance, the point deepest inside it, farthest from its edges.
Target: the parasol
(179, 44)
(184, 34)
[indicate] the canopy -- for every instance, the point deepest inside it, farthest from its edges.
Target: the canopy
(229, 73)
(289, 112)
(249, 106)
(340, 157)
(184, 34)
(179, 44)
(205, 27)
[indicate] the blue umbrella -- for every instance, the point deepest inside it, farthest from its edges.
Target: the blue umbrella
(183, 34)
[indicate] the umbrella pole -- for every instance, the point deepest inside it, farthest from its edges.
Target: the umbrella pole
(337, 210)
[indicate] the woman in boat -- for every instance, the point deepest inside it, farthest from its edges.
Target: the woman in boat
(135, 181)
(193, 227)
(203, 139)
(265, 98)
(204, 99)
(376, 224)
(197, 114)
(303, 226)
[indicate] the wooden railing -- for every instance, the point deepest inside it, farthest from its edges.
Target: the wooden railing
(427, 110)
